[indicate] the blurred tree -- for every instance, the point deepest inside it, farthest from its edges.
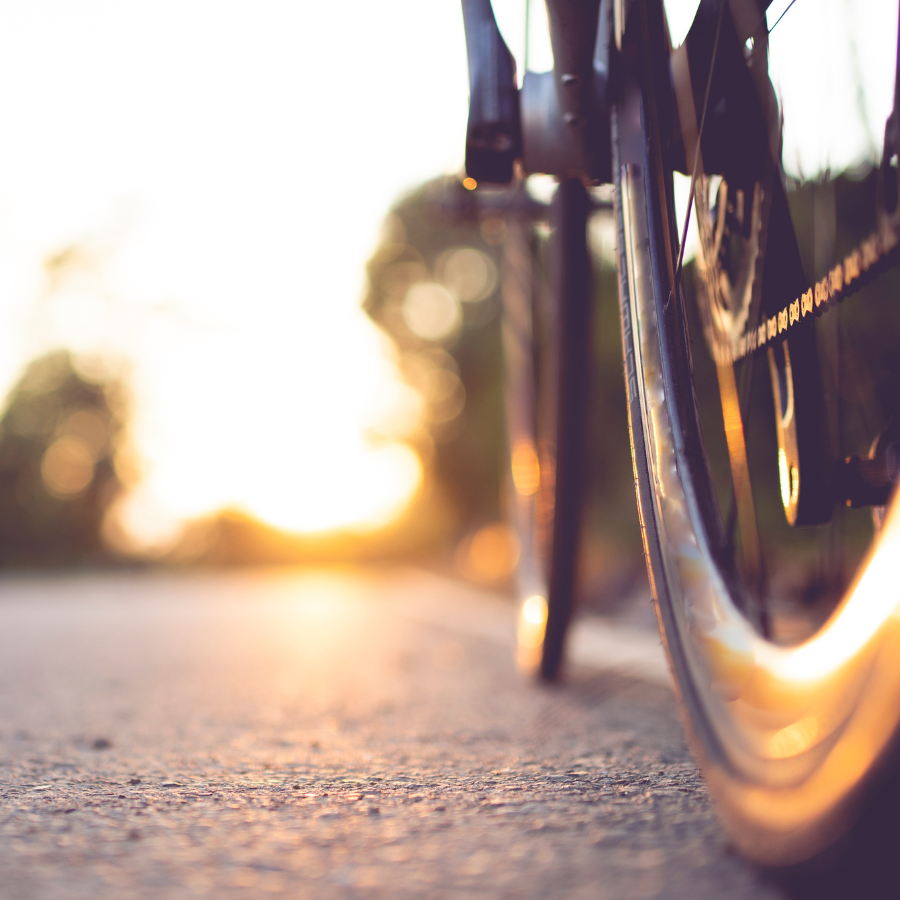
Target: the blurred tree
(434, 288)
(59, 434)
(441, 234)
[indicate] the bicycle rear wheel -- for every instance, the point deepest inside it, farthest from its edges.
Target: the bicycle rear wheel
(797, 734)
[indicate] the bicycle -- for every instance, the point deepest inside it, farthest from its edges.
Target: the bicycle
(790, 702)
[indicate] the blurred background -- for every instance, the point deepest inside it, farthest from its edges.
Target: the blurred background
(188, 196)
(249, 313)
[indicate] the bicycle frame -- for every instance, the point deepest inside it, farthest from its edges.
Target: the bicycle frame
(559, 122)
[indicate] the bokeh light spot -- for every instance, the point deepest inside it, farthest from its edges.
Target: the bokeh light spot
(530, 633)
(534, 610)
(489, 556)
(431, 312)
(526, 470)
(467, 273)
(67, 466)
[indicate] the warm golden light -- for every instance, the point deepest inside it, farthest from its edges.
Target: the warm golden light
(794, 739)
(384, 479)
(290, 431)
(431, 312)
(534, 611)
(873, 598)
(470, 184)
(526, 470)
(489, 555)
(530, 632)
(467, 273)
(215, 259)
(789, 480)
(67, 466)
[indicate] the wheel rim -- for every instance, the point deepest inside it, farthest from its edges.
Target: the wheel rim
(799, 725)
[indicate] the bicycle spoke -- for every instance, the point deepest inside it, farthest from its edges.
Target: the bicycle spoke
(783, 14)
(709, 79)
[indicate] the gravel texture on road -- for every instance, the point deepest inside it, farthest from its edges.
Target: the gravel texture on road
(248, 734)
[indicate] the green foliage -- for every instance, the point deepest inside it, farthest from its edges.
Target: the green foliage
(458, 374)
(59, 434)
(468, 453)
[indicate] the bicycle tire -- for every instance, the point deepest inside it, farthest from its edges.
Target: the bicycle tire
(547, 351)
(799, 744)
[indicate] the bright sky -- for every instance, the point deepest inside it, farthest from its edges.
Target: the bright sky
(225, 167)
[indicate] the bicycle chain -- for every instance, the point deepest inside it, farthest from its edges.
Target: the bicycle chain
(859, 267)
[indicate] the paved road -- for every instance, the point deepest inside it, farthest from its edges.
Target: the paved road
(325, 735)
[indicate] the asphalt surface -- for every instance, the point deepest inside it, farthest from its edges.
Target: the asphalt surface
(326, 735)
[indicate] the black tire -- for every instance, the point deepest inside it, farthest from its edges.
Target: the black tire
(796, 742)
(547, 341)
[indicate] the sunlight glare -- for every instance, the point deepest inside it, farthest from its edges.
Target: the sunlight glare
(182, 195)
(854, 623)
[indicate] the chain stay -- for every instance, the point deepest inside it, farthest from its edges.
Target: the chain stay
(873, 255)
